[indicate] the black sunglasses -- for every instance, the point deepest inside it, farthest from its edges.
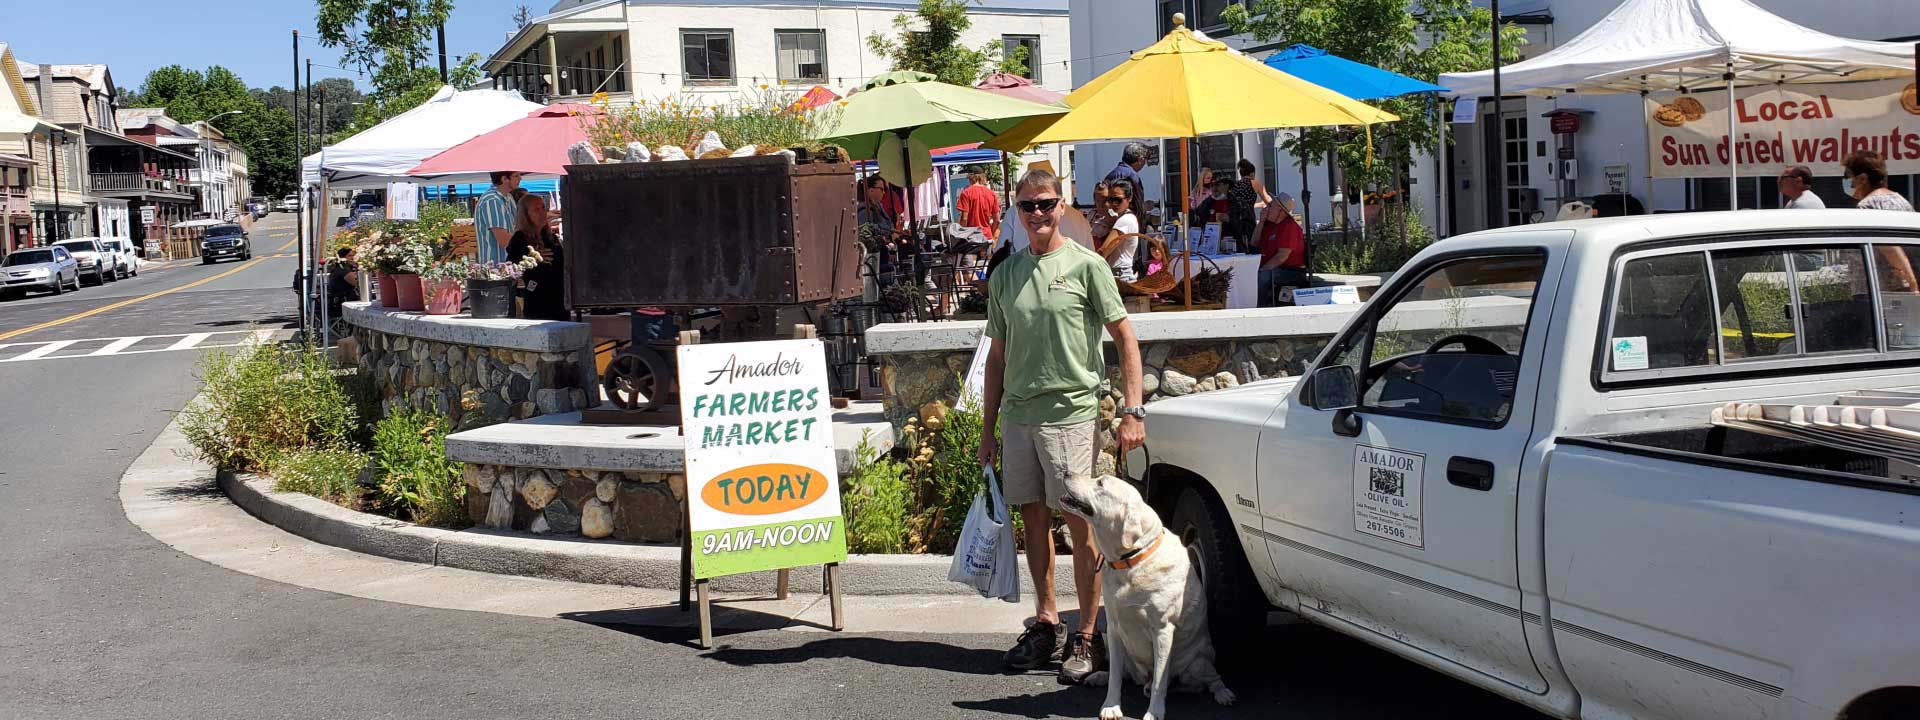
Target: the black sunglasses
(1116, 199)
(1042, 205)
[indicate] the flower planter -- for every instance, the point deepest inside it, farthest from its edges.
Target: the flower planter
(443, 297)
(389, 293)
(492, 299)
(409, 292)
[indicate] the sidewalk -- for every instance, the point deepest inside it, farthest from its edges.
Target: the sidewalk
(176, 501)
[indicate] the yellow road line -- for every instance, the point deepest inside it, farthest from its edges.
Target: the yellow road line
(288, 245)
(123, 303)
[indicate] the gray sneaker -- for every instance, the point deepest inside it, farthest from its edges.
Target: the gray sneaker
(1039, 645)
(1085, 654)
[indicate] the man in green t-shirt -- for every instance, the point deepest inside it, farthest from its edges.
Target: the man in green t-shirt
(1046, 306)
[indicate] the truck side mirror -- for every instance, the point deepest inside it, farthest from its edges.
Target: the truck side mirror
(1334, 388)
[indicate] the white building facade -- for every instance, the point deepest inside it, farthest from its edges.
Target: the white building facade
(1609, 150)
(713, 52)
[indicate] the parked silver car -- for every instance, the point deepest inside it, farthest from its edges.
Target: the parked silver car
(126, 261)
(46, 268)
(94, 261)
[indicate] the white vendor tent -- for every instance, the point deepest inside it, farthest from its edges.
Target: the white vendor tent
(1647, 46)
(385, 152)
(1658, 45)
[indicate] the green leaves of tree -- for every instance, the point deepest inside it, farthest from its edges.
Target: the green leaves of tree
(390, 41)
(266, 133)
(929, 42)
(1423, 41)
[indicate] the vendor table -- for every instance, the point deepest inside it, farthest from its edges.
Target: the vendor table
(1244, 290)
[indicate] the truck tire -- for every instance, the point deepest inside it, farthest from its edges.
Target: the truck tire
(1884, 704)
(1236, 609)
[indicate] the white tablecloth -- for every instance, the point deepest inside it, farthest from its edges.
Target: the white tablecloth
(1244, 290)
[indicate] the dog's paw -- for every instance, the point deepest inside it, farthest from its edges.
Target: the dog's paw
(1097, 678)
(1112, 712)
(1222, 695)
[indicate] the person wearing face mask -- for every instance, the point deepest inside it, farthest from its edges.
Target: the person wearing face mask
(1868, 173)
(1212, 207)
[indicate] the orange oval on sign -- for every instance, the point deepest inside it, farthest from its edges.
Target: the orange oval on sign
(764, 489)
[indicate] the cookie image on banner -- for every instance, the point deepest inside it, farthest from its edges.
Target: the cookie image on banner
(1669, 116)
(1910, 99)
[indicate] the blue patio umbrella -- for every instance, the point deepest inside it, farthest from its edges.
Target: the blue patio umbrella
(1356, 80)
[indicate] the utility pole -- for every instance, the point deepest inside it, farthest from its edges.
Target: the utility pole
(299, 184)
(1499, 171)
(443, 55)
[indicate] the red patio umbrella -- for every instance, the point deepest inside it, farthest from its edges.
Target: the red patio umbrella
(535, 145)
(1014, 86)
(816, 97)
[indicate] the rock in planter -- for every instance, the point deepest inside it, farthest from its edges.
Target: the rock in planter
(561, 517)
(596, 519)
(1149, 383)
(1175, 383)
(1225, 380)
(646, 512)
(499, 509)
(537, 489)
(605, 489)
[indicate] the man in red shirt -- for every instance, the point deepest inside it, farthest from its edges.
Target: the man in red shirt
(979, 207)
(1283, 250)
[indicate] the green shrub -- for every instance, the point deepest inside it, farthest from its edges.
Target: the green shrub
(417, 481)
(875, 498)
(331, 474)
(264, 401)
(1384, 247)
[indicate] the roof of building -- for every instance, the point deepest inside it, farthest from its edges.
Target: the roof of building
(137, 118)
(94, 75)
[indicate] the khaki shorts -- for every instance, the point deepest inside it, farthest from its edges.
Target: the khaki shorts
(1037, 461)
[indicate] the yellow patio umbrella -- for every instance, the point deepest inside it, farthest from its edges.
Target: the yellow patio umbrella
(1186, 86)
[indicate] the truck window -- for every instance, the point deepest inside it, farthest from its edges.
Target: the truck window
(1449, 347)
(1824, 305)
(1899, 294)
(1662, 314)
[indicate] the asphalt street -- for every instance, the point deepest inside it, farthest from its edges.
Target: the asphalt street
(103, 621)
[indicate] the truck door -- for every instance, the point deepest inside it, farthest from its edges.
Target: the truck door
(1391, 494)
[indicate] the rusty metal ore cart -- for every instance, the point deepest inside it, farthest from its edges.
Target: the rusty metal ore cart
(747, 236)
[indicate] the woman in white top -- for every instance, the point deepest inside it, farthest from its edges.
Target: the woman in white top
(1868, 173)
(1119, 246)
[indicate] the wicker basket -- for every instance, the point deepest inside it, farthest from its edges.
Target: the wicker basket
(464, 238)
(1154, 284)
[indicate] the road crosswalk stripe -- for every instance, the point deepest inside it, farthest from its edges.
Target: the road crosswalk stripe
(116, 346)
(189, 341)
(43, 350)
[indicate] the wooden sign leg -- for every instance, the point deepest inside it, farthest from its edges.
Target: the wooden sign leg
(833, 591)
(785, 578)
(706, 615)
(686, 572)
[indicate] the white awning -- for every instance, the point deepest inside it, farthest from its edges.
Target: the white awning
(1663, 45)
(385, 152)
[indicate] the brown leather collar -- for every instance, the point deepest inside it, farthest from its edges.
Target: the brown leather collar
(1138, 556)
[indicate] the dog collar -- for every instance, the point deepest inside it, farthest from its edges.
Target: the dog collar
(1139, 555)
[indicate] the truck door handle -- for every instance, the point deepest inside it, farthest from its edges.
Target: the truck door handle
(1470, 473)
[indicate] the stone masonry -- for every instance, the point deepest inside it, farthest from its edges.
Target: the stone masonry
(639, 507)
(474, 385)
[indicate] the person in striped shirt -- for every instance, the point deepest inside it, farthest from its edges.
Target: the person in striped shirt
(493, 217)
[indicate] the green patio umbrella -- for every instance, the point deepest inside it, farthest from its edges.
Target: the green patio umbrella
(904, 102)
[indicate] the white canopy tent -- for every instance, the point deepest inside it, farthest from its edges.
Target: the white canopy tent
(385, 152)
(1647, 46)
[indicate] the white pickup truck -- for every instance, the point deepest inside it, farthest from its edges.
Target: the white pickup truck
(1503, 469)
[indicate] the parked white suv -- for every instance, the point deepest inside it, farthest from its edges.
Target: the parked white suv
(126, 262)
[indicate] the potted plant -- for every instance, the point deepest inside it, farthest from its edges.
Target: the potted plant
(490, 285)
(415, 257)
(378, 249)
(442, 283)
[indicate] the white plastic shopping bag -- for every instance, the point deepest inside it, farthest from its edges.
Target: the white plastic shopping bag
(984, 557)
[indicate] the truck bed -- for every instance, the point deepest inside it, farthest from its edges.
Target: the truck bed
(1736, 449)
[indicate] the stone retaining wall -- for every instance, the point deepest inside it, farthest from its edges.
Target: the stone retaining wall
(643, 507)
(477, 372)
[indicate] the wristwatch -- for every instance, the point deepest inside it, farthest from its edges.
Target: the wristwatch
(1139, 412)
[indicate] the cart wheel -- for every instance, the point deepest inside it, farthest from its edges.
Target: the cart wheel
(637, 379)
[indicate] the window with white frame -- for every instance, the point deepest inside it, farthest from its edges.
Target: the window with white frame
(706, 57)
(802, 55)
(1027, 49)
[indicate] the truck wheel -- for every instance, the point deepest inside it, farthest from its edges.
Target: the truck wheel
(1235, 608)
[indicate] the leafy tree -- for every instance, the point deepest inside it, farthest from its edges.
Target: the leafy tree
(266, 133)
(340, 96)
(391, 41)
(1423, 41)
(929, 42)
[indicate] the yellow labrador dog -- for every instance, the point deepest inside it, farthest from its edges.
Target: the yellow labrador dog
(1156, 608)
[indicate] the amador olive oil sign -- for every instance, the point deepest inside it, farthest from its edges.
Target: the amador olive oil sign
(762, 485)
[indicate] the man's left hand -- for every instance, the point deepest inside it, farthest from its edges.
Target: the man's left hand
(1132, 434)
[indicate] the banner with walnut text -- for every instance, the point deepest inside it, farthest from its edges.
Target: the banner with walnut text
(1781, 125)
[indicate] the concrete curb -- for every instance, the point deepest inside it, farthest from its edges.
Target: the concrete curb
(586, 561)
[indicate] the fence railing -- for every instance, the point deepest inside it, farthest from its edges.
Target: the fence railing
(135, 181)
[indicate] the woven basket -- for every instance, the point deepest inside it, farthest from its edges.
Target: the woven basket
(1154, 284)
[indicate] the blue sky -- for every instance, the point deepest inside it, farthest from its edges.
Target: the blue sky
(253, 38)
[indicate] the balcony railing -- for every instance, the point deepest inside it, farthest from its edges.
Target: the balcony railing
(14, 203)
(133, 181)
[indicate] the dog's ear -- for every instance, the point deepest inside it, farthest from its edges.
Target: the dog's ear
(1139, 521)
